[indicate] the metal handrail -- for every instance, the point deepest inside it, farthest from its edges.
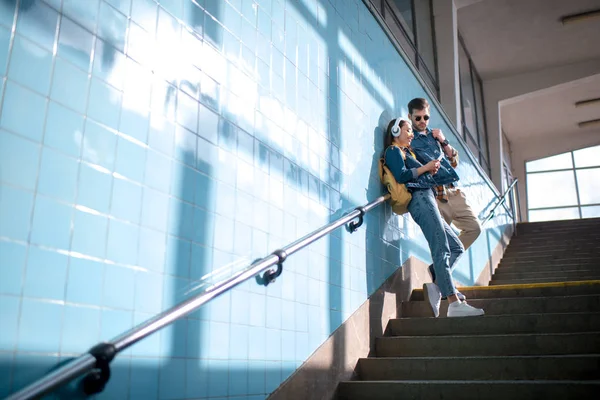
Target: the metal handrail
(96, 362)
(502, 200)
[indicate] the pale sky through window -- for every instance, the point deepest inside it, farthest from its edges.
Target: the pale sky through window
(557, 188)
(589, 157)
(560, 161)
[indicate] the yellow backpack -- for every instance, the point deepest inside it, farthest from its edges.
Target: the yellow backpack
(399, 195)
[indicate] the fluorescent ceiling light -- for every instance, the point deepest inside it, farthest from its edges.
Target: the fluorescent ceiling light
(569, 19)
(588, 102)
(592, 122)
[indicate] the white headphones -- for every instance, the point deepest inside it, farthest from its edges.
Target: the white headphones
(396, 127)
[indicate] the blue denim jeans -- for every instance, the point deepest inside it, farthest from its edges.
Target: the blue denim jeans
(444, 245)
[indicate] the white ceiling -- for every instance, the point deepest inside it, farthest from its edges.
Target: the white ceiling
(510, 37)
(505, 37)
(552, 112)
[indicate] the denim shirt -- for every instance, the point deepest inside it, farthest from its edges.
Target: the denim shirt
(405, 171)
(427, 148)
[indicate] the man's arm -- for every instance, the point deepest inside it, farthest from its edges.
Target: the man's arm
(450, 151)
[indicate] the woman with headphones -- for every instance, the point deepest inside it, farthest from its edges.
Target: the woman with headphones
(444, 245)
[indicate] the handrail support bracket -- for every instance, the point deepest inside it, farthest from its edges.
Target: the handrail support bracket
(354, 225)
(95, 381)
(270, 275)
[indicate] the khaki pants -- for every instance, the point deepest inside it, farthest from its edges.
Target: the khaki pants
(458, 212)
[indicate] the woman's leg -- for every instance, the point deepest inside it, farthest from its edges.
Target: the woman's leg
(425, 213)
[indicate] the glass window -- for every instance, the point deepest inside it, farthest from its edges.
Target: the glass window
(406, 15)
(590, 212)
(560, 161)
(400, 32)
(551, 189)
(425, 33)
(466, 90)
(480, 113)
(410, 23)
(555, 214)
(589, 157)
(588, 182)
(472, 144)
(551, 184)
(473, 107)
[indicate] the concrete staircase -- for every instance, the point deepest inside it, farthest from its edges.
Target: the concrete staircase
(539, 339)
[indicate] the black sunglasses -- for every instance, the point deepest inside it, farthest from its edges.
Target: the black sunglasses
(425, 117)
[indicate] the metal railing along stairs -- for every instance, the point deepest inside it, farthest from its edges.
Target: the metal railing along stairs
(95, 364)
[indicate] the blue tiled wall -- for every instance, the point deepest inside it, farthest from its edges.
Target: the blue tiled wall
(150, 147)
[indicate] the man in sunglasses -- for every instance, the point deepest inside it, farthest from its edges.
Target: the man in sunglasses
(430, 144)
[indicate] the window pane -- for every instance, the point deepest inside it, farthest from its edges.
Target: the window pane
(472, 145)
(553, 215)
(425, 33)
(392, 20)
(404, 9)
(560, 161)
(428, 78)
(588, 182)
(466, 89)
(486, 166)
(589, 157)
(483, 143)
(551, 189)
(590, 212)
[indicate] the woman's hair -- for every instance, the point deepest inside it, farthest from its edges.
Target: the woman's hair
(388, 139)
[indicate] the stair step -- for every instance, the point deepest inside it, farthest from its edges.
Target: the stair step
(556, 279)
(563, 275)
(559, 236)
(554, 254)
(525, 290)
(511, 305)
(528, 262)
(549, 244)
(566, 367)
(488, 345)
(497, 324)
(568, 230)
(526, 229)
(502, 269)
(535, 226)
(468, 390)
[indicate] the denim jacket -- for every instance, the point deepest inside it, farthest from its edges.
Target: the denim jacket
(405, 171)
(427, 148)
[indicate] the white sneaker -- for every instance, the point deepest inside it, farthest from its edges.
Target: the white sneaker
(461, 309)
(432, 294)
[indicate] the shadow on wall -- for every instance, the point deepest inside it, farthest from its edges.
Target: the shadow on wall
(142, 376)
(376, 245)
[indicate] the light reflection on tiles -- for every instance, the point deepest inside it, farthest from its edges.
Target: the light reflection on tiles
(205, 134)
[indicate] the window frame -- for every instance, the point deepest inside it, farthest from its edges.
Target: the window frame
(483, 156)
(572, 169)
(431, 78)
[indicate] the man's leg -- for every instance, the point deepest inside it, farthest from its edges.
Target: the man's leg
(464, 217)
(445, 211)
